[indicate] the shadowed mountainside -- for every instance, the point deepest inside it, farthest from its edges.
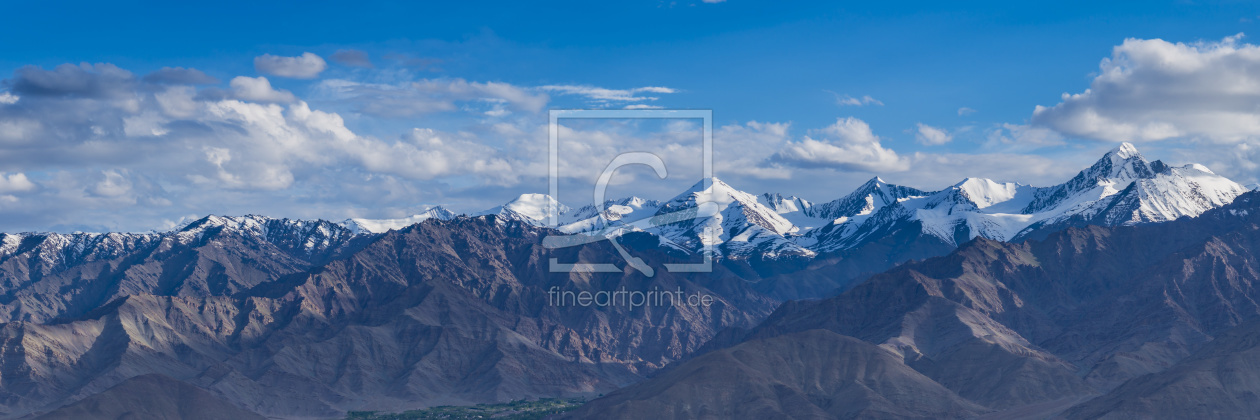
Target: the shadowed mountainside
(445, 312)
(1033, 325)
(814, 374)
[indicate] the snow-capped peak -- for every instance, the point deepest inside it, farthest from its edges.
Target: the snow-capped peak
(1124, 151)
(1198, 167)
(1120, 188)
(249, 222)
(715, 191)
(614, 209)
(784, 204)
(1122, 164)
(535, 206)
(984, 192)
(535, 209)
(308, 236)
(742, 225)
(866, 199)
(60, 250)
(358, 226)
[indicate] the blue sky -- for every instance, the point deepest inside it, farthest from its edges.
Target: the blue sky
(950, 91)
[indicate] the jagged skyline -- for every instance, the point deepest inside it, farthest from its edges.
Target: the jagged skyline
(135, 133)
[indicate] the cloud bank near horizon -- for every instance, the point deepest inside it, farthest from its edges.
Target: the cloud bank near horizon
(97, 147)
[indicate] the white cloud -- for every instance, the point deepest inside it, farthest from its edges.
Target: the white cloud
(714, 1)
(608, 95)
(460, 89)
(965, 111)
(742, 149)
(17, 130)
(79, 152)
(7, 98)
(848, 144)
(1151, 89)
(258, 89)
(932, 171)
(11, 183)
(112, 184)
(847, 100)
(91, 147)
(655, 89)
(305, 66)
(931, 136)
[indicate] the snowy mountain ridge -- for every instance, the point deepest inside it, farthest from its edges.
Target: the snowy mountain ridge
(360, 226)
(1121, 188)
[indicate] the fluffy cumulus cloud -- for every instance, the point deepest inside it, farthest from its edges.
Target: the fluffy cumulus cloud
(11, 183)
(1151, 89)
(931, 136)
(93, 143)
(96, 147)
(305, 66)
(836, 158)
(742, 149)
(822, 164)
(849, 144)
(258, 89)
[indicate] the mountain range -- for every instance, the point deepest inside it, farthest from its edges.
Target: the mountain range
(1002, 298)
(879, 224)
(1121, 188)
(293, 318)
(1148, 321)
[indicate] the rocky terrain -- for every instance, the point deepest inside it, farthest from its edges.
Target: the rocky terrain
(446, 312)
(1220, 380)
(1149, 321)
(815, 374)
